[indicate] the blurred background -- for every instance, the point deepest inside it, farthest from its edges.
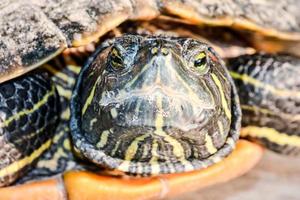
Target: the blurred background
(274, 178)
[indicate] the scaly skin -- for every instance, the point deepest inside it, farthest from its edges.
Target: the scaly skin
(144, 105)
(269, 89)
(28, 114)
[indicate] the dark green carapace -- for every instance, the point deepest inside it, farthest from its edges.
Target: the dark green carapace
(148, 105)
(269, 90)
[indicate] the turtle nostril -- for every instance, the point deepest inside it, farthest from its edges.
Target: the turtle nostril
(154, 50)
(165, 51)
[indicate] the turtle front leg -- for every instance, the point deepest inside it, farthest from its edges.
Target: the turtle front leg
(28, 116)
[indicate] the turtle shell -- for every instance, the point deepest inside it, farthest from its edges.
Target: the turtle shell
(33, 32)
(149, 105)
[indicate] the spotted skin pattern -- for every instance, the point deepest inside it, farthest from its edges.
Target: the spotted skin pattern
(145, 105)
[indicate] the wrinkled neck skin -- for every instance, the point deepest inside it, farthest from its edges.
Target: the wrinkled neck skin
(156, 93)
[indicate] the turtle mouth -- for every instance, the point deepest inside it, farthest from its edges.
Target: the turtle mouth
(141, 107)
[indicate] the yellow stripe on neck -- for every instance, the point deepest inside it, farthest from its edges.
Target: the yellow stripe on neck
(289, 116)
(210, 145)
(59, 74)
(17, 165)
(29, 111)
(271, 134)
(279, 92)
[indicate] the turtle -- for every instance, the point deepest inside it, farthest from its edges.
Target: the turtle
(136, 135)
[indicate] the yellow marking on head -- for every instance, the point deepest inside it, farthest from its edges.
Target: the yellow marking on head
(91, 96)
(137, 107)
(114, 113)
(35, 107)
(59, 74)
(155, 169)
(221, 128)
(178, 150)
(177, 147)
(133, 147)
(113, 152)
(103, 139)
(159, 122)
(271, 135)
(279, 92)
(293, 117)
(92, 122)
(193, 96)
(209, 144)
(146, 150)
(17, 165)
(223, 99)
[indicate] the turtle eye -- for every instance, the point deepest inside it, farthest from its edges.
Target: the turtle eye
(116, 60)
(200, 62)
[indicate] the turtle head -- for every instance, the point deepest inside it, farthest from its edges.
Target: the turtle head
(149, 103)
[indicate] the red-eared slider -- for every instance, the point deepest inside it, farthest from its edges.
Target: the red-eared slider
(154, 105)
(159, 103)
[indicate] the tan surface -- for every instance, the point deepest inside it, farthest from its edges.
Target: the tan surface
(275, 178)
